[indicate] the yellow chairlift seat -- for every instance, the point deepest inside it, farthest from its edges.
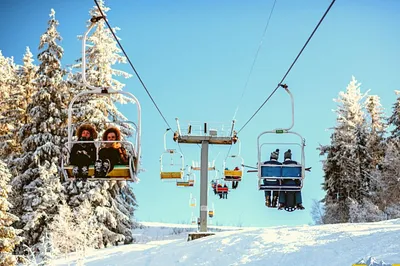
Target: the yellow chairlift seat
(192, 203)
(120, 172)
(229, 174)
(171, 175)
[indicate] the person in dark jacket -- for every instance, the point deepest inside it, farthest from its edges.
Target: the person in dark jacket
(83, 154)
(111, 154)
(299, 206)
(225, 193)
(214, 186)
(273, 159)
(235, 184)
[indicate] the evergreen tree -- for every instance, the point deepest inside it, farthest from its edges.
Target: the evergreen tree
(8, 78)
(390, 182)
(74, 232)
(377, 129)
(8, 235)
(394, 120)
(20, 96)
(37, 189)
(376, 147)
(347, 172)
(112, 202)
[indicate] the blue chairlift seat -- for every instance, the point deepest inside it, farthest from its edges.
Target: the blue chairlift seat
(271, 171)
(285, 173)
(291, 171)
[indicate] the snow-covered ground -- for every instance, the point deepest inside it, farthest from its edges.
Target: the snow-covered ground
(338, 244)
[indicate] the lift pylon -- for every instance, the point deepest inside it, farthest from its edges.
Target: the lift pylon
(205, 134)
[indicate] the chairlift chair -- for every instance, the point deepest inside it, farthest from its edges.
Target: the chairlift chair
(192, 201)
(188, 179)
(175, 167)
(220, 186)
(272, 172)
(231, 163)
(120, 172)
(222, 189)
(196, 166)
(211, 212)
(217, 185)
(193, 219)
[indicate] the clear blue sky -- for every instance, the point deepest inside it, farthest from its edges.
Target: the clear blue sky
(194, 58)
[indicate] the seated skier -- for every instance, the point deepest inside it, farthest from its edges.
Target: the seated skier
(83, 154)
(273, 159)
(287, 182)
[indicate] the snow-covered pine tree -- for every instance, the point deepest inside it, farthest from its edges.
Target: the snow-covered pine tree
(376, 147)
(377, 129)
(20, 97)
(394, 119)
(390, 181)
(346, 166)
(112, 202)
(8, 78)
(8, 235)
(390, 172)
(37, 189)
(62, 231)
(75, 232)
(335, 208)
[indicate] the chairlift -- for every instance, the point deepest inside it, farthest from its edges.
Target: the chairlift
(120, 172)
(211, 212)
(222, 189)
(172, 168)
(193, 219)
(233, 167)
(188, 179)
(192, 201)
(218, 186)
(196, 166)
(292, 175)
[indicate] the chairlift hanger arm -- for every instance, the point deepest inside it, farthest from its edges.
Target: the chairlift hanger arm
(286, 88)
(97, 19)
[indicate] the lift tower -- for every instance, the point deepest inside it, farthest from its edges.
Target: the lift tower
(200, 134)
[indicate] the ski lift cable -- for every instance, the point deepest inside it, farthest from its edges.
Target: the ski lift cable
(130, 63)
(251, 68)
(254, 60)
(227, 154)
(180, 149)
(291, 66)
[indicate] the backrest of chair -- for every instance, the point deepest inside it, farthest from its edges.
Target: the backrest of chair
(291, 171)
(271, 170)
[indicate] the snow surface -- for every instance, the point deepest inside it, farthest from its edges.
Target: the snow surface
(336, 244)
